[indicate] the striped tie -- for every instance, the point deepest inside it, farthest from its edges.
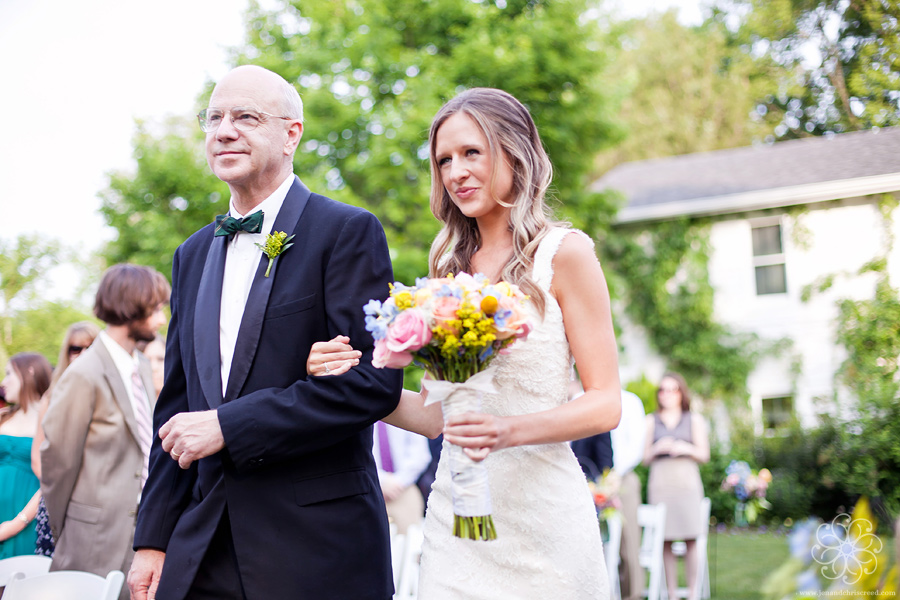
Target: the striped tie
(144, 421)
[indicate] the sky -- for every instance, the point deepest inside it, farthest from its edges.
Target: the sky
(75, 77)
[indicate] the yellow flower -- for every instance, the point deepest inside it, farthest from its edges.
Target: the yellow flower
(504, 288)
(489, 305)
(403, 300)
(275, 244)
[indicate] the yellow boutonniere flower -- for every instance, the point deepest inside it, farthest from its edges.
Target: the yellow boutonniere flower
(276, 243)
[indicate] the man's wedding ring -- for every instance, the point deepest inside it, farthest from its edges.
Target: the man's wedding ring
(176, 456)
(327, 370)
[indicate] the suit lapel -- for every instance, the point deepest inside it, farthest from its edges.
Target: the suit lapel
(121, 393)
(255, 310)
(206, 322)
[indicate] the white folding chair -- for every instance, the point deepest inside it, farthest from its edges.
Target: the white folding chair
(65, 585)
(652, 521)
(408, 588)
(28, 565)
(679, 548)
(611, 553)
(398, 543)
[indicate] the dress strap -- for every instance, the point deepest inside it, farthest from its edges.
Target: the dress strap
(543, 258)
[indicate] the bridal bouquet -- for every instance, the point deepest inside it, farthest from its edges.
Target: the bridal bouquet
(453, 327)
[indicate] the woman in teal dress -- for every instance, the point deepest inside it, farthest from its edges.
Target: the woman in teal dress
(27, 378)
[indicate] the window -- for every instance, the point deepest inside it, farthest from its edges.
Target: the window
(768, 259)
(777, 412)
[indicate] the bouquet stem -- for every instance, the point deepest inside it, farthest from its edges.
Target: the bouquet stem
(474, 528)
(469, 485)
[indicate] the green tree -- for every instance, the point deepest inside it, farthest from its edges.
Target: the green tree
(870, 332)
(689, 89)
(172, 194)
(22, 263)
(43, 327)
(840, 61)
(372, 74)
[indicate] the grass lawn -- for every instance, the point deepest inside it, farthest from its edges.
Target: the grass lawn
(739, 561)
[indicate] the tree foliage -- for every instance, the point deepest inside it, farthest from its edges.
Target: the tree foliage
(43, 327)
(172, 194)
(838, 61)
(689, 89)
(23, 263)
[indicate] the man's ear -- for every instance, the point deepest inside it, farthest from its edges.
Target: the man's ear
(295, 132)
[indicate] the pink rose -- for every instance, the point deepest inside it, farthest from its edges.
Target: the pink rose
(408, 332)
(444, 310)
(517, 323)
(383, 357)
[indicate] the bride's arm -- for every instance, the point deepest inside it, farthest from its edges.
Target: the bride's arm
(412, 415)
(580, 288)
(337, 356)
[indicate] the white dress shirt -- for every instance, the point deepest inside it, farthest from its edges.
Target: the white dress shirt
(241, 260)
(628, 437)
(125, 365)
(409, 453)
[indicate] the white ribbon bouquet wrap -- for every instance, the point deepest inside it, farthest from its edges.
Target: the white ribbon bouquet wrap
(469, 479)
(453, 327)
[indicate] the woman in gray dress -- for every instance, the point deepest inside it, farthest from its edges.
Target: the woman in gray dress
(677, 441)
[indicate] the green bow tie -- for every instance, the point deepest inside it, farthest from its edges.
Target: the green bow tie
(226, 225)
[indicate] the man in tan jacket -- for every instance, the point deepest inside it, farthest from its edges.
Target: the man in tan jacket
(98, 428)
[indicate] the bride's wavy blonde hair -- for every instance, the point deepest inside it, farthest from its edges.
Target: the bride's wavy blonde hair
(512, 137)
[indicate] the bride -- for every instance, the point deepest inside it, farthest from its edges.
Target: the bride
(490, 174)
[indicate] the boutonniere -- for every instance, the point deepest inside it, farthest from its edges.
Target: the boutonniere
(276, 243)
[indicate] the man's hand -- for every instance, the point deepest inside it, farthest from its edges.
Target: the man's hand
(191, 436)
(143, 578)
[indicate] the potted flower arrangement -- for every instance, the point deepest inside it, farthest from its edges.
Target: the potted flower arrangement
(749, 488)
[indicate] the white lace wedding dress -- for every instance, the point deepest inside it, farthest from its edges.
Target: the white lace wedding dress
(548, 540)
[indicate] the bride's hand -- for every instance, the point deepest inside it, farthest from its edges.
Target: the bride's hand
(334, 357)
(479, 434)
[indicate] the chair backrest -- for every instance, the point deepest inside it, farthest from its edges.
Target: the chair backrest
(702, 549)
(409, 572)
(652, 521)
(65, 585)
(611, 551)
(29, 565)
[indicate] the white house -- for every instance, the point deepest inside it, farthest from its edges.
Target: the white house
(783, 217)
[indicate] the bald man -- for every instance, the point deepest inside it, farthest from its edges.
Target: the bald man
(262, 482)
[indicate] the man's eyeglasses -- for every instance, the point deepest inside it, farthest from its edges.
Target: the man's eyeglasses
(245, 119)
(76, 350)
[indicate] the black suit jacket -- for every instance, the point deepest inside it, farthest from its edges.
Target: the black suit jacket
(297, 474)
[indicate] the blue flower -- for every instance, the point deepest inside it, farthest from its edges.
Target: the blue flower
(377, 326)
(800, 539)
(808, 582)
(373, 307)
(501, 317)
(447, 291)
